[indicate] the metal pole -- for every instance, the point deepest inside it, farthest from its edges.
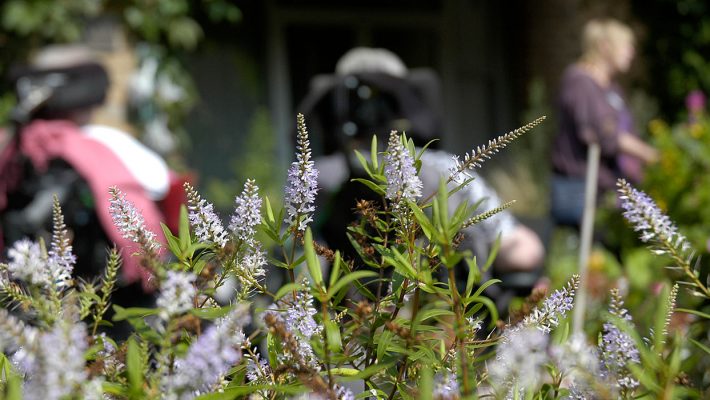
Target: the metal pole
(586, 231)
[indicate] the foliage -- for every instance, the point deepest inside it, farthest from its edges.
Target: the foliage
(392, 323)
(680, 181)
(165, 28)
(676, 45)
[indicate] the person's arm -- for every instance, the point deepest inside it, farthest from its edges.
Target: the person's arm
(633, 146)
(520, 250)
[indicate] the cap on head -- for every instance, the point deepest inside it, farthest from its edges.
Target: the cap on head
(368, 59)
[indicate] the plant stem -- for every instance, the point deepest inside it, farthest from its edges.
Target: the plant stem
(457, 331)
(326, 350)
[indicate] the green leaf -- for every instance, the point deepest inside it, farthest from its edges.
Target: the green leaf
(363, 162)
(383, 343)
(121, 313)
(485, 286)
(426, 383)
(210, 313)
(373, 152)
(694, 312)
(114, 388)
(184, 228)
(347, 279)
(426, 225)
(134, 369)
(367, 372)
(335, 271)
(488, 303)
(13, 381)
(493, 254)
(436, 312)
(700, 345)
(287, 288)
(173, 242)
(473, 274)
(372, 185)
(332, 330)
(442, 198)
(198, 266)
(234, 392)
(344, 371)
(272, 349)
(400, 263)
(269, 211)
(312, 260)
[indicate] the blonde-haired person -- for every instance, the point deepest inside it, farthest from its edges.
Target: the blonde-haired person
(592, 109)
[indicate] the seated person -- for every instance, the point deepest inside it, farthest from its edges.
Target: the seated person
(56, 151)
(373, 92)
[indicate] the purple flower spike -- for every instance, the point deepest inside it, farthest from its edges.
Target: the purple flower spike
(210, 357)
(207, 225)
(554, 307)
(647, 219)
(617, 348)
(247, 213)
(131, 224)
(402, 180)
(302, 182)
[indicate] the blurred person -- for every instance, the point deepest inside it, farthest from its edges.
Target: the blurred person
(592, 109)
(55, 150)
(373, 92)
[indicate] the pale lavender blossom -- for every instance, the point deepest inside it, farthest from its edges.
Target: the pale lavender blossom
(554, 308)
(27, 264)
(20, 338)
(177, 293)
(130, 222)
(297, 315)
(250, 268)
(446, 386)
(203, 219)
(402, 179)
(61, 259)
(247, 213)
(52, 362)
(578, 362)
(61, 362)
(343, 393)
(210, 357)
(258, 369)
(520, 358)
(618, 349)
(302, 182)
(93, 390)
(647, 219)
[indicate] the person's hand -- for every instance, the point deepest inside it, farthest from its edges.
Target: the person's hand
(633, 146)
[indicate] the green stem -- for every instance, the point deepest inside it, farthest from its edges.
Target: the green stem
(326, 350)
(457, 331)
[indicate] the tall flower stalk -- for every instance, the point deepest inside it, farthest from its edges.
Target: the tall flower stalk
(618, 349)
(210, 357)
(131, 224)
(657, 229)
(403, 183)
(302, 182)
(61, 258)
(204, 221)
(476, 157)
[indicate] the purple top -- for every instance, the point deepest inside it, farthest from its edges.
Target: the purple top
(590, 113)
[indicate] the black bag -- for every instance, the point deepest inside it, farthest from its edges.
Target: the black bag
(567, 200)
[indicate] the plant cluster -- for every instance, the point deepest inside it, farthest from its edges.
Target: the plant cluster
(392, 323)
